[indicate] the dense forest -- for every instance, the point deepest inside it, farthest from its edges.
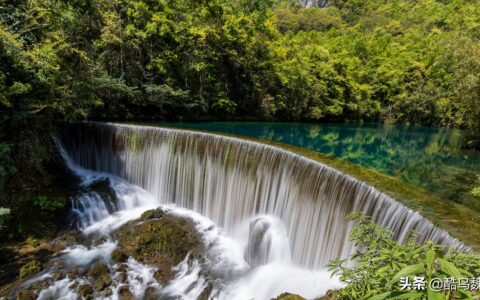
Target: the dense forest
(395, 61)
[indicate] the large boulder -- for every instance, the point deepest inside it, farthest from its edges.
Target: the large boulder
(160, 239)
(288, 296)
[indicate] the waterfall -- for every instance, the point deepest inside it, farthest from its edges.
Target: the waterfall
(267, 242)
(231, 181)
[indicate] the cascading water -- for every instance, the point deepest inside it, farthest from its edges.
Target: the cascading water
(267, 242)
(283, 217)
(230, 181)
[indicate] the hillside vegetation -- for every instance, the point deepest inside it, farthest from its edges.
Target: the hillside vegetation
(396, 61)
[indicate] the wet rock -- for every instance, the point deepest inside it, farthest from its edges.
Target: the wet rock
(122, 276)
(99, 241)
(288, 296)
(74, 285)
(160, 239)
(151, 293)
(122, 268)
(26, 295)
(103, 188)
(98, 270)
(31, 268)
(73, 273)
(58, 265)
(205, 295)
(107, 292)
(67, 239)
(40, 285)
(152, 214)
(86, 291)
(118, 256)
(330, 295)
(124, 293)
(103, 282)
(58, 276)
(163, 275)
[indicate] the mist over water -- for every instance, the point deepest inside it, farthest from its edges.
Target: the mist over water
(270, 219)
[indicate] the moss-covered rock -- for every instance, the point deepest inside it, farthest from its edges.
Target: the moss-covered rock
(86, 291)
(288, 296)
(31, 268)
(152, 214)
(160, 239)
(330, 295)
(103, 282)
(58, 276)
(163, 274)
(124, 293)
(26, 295)
(118, 256)
(98, 270)
(151, 294)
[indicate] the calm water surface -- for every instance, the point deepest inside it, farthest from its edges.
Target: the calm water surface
(429, 158)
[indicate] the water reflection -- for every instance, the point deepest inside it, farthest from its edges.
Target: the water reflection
(429, 158)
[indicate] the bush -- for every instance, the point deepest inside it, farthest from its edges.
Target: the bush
(50, 204)
(376, 269)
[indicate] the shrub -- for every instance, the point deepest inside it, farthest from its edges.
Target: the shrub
(376, 269)
(50, 204)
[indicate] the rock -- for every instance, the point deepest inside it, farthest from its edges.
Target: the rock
(74, 285)
(31, 268)
(40, 285)
(124, 293)
(86, 291)
(108, 292)
(205, 295)
(103, 282)
(122, 276)
(163, 275)
(152, 214)
(103, 188)
(66, 239)
(122, 268)
(160, 239)
(151, 293)
(26, 295)
(288, 296)
(118, 256)
(330, 295)
(58, 276)
(98, 270)
(73, 273)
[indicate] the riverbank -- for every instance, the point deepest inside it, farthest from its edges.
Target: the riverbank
(461, 222)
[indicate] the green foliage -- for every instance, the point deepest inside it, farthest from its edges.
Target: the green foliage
(476, 190)
(50, 205)
(4, 216)
(375, 270)
(29, 269)
(413, 61)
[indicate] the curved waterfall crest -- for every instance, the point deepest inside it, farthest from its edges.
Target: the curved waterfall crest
(231, 181)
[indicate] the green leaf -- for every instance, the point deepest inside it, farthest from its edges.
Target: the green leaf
(380, 297)
(405, 295)
(430, 256)
(449, 268)
(433, 295)
(409, 270)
